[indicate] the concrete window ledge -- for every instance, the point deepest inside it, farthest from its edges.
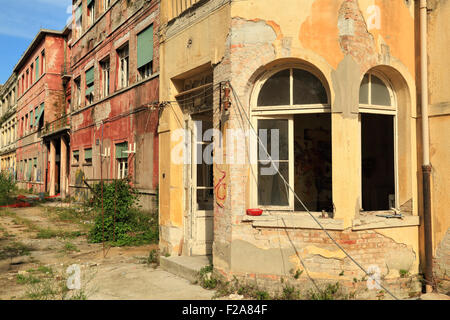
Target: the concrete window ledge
(367, 223)
(294, 221)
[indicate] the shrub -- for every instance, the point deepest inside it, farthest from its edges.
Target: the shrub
(122, 223)
(7, 186)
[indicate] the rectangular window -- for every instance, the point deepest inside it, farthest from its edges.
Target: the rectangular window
(79, 21)
(37, 69)
(88, 156)
(300, 149)
(31, 75)
(43, 62)
(90, 86)
(104, 65)
(145, 52)
(76, 156)
(91, 11)
(123, 67)
(31, 120)
(106, 4)
(35, 169)
(77, 82)
(122, 160)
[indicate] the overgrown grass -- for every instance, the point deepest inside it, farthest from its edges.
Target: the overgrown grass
(44, 283)
(51, 233)
(14, 249)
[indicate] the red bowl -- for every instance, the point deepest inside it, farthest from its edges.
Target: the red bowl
(254, 212)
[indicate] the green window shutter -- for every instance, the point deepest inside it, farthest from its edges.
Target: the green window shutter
(76, 153)
(145, 47)
(90, 76)
(37, 68)
(39, 115)
(121, 149)
(78, 13)
(89, 90)
(88, 154)
(35, 161)
(31, 118)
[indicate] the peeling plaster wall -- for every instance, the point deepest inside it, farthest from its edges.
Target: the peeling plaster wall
(126, 115)
(338, 40)
(48, 89)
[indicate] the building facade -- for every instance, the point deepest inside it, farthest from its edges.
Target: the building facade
(439, 113)
(8, 125)
(336, 81)
(115, 90)
(41, 102)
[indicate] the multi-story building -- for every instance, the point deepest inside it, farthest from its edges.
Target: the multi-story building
(8, 125)
(41, 102)
(334, 85)
(115, 91)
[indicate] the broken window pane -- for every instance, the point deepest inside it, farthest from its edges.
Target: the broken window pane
(380, 93)
(308, 89)
(276, 90)
(364, 90)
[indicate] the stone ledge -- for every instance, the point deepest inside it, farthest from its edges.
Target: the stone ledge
(294, 221)
(367, 223)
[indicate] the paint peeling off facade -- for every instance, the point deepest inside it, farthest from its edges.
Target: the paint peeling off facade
(115, 90)
(338, 81)
(40, 105)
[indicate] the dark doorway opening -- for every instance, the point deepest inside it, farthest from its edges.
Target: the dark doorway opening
(378, 167)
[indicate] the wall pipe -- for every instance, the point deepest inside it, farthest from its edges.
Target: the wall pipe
(426, 165)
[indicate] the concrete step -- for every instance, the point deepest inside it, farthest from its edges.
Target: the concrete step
(185, 267)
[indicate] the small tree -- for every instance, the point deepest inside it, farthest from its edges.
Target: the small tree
(118, 199)
(7, 186)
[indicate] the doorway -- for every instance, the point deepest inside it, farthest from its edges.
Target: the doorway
(201, 185)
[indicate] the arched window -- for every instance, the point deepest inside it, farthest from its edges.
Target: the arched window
(291, 87)
(378, 143)
(291, 114)
(376, 93)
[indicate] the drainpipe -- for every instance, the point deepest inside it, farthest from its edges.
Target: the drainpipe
(426, 166)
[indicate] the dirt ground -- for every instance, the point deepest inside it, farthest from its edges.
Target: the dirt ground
(38, 244)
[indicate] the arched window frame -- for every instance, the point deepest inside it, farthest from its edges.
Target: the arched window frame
(382, 110)
(290, 108)
(379, 109)
(281, 112)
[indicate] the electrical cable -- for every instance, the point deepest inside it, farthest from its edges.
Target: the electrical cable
(300, 201)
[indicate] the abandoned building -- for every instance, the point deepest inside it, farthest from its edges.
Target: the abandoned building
(340, 83)
(8, 125)
(115, 82)
(40, 149)
(329, 116)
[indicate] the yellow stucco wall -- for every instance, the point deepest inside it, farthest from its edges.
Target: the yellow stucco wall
(439, 99)
(311, 29)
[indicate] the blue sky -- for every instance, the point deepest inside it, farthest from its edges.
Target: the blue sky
(20, 21)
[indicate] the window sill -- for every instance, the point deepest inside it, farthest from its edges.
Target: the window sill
(373, 222)
(295, 220)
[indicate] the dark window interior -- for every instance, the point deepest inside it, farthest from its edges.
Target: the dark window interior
(377, 148)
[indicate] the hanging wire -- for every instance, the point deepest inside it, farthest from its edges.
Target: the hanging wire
(299, 200)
